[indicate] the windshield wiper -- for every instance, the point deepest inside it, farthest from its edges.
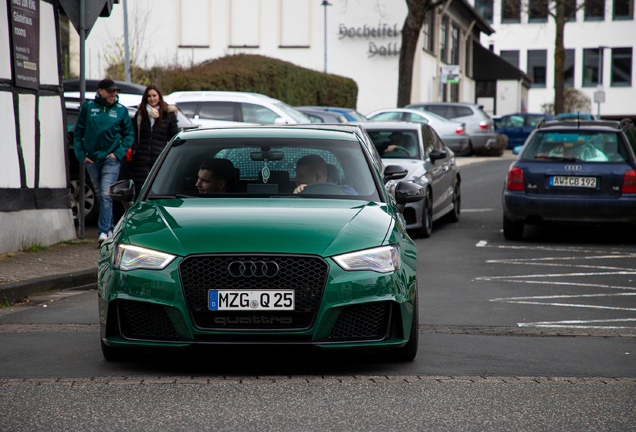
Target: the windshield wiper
(169, 196)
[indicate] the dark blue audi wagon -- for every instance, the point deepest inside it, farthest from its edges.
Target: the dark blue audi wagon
(572, 172)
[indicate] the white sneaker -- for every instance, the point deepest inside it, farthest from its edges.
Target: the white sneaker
(102, 237)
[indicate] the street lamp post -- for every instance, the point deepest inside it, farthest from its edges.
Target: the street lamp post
(599, 87)
(325, 3)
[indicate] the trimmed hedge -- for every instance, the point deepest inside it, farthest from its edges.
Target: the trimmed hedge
(254, 73)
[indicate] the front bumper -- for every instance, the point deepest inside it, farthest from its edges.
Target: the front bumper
(145, 309)
(521, 207)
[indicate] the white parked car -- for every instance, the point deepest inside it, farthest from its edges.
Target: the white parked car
(207, 108)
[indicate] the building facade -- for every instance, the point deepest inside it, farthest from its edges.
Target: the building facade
(34, 196)
(358, 39)
(601, 36)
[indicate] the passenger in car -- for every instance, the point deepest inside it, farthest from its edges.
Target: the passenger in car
(216, 176)
(313, 169)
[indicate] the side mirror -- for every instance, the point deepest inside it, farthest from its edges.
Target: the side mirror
(394, 172)
(124, 191)
(280, 121)
(437, 154)
(407, 192)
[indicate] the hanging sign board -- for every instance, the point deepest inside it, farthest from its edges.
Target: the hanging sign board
(25, 32)
(449, 74)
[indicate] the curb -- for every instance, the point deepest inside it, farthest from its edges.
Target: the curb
(18, 291)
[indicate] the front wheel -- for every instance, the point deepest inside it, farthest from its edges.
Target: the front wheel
(427, 217)
(512, 230)
(453, 215)
(409, 351)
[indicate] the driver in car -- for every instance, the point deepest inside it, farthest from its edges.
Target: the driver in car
(214, 176)
(313, 169)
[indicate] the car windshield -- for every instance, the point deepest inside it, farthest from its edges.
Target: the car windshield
(264, 168)
(293, 113)
(391, 143)
(575, 146)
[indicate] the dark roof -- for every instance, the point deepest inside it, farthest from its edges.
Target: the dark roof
(488, 66)
(481, 23)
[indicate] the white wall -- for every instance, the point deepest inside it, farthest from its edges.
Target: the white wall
(9, 162)
(166, 22)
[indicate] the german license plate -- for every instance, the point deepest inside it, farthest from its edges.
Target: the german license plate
(586, 182)
(236, 300)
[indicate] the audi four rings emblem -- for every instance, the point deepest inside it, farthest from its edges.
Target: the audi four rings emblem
(253, 269)
(573, 167)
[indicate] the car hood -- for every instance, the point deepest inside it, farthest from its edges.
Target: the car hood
(224, 225)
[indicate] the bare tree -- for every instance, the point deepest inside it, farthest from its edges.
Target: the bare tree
(573, 101)
(417, 10)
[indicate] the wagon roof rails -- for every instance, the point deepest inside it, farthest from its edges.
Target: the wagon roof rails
(580, 123)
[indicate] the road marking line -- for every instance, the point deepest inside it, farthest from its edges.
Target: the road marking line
(563, 296)
(570, 284)
(482, 243)
(556, 275)
(573, 305)
(477, 210)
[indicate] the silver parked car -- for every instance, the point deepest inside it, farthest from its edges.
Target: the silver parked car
(479, 126)
(451, 132)
(430, 164)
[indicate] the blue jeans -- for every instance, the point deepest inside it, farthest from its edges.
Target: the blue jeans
(104, 174)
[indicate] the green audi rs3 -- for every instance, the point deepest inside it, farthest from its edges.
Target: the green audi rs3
(262, 236)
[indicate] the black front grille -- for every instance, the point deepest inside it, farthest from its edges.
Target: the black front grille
(306, 275)
(141, 320)
(366, 321)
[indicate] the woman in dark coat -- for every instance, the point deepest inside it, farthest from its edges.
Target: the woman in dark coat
(155, 124)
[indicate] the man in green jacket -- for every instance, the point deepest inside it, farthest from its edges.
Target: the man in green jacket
(102, 136)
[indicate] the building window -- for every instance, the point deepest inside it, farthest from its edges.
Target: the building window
(623, 9)
(621, 67)
(443, 40)
(591, 67)
(594, 10)
(428, 32)
(537, 63)
(485, 9)
(295, 24)
(568, 68)
(511, 57)
(469, 57)
(570, 10)
(537, 11)
(454, 51)
(511, 11)
(244, 23)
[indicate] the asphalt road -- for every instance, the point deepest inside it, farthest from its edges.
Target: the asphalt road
(531, 335)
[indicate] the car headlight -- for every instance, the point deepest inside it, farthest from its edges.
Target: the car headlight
(129, 257)
(383, 259)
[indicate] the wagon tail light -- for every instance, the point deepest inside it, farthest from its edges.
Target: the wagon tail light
(514, 180)
(629, 181)
(483, 125)
(460, 129)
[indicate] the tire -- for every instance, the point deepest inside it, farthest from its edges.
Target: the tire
(453, 215)
(91, 203)
(114, 354)
(427, 218)
(512, 230)
(409, 351)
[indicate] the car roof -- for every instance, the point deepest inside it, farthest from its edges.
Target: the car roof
(311, 131)
(468, 104)
(402, 125)
(581, 124)
(92, 84)
(192, 96)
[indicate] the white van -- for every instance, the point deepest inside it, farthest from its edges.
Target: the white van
(207, 108)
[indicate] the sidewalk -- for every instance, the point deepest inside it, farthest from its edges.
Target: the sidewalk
(66, 265)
